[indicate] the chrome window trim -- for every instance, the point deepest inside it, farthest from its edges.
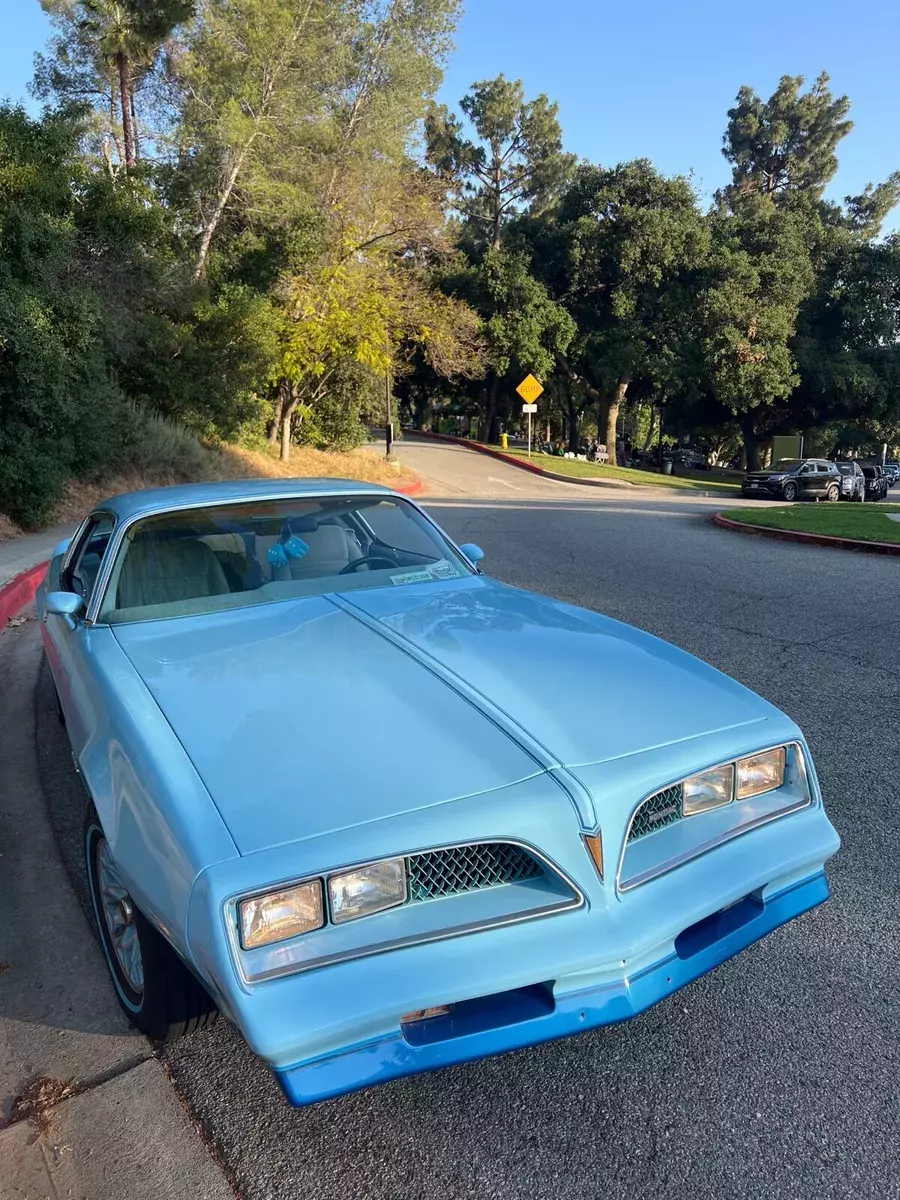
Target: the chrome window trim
(75, 546)
(230, 910)
(720, 839)
(121, 528)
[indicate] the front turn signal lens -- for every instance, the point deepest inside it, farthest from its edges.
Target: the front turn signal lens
(594, 843)
(279, 915)
(708, 789)
(760, 773)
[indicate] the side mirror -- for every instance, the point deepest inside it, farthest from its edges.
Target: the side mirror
(472, 552)
(63, 604)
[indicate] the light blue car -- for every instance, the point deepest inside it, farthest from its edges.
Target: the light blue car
(386, 814)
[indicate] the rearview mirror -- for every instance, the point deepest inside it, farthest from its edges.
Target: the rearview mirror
(63, 604)
(472, 552)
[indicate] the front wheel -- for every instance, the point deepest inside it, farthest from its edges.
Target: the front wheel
(833, 493)
(157, 991)
(790, 492)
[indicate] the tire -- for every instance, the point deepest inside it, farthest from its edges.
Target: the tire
(789, 491)
(156, 990)
(833, 493)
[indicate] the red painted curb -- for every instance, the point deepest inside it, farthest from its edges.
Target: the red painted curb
(520, 463)
(20, 591)
(809, 539)
(411, 489)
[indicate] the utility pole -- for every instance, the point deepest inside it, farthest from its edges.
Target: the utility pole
(388, 423)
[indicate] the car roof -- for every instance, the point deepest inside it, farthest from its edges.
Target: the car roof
(157, 500)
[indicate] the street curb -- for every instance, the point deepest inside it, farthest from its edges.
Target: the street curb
(523, 466)
(809, 539)
(411, 489)
(20, 591)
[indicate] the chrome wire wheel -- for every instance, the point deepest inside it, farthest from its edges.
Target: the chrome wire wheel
(118, 912)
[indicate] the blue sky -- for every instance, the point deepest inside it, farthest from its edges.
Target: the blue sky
(649, 78)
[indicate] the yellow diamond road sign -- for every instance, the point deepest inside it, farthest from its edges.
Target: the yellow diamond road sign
(529, 389)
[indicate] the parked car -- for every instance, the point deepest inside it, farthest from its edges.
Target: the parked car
(876, 481)
(692, 459)
(853, 482)
(892, 471)
(330, 796)
(795, 479)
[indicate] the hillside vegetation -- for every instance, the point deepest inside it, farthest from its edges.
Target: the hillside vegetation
(253, 219)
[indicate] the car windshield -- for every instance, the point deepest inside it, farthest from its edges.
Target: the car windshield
(205, 560)
(845, 468)
(869, 472)
(787, 464)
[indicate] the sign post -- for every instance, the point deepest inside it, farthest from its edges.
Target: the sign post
(529, 389)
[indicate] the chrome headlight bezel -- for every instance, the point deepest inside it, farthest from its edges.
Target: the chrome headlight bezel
(796, 791)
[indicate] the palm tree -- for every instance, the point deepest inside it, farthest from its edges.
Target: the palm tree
(127, 35)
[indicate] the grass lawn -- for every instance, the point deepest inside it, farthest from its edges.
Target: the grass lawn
(866, 522)
(695, 481)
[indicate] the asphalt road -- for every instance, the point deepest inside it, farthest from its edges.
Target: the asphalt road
(776, 1076)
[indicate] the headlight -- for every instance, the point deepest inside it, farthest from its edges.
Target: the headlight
(775, 478)
(709, 789)
(367, 890)
(760, 773)
(279, 915)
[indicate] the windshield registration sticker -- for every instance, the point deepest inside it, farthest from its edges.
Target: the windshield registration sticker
(438, 570)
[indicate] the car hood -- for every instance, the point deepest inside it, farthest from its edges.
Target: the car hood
(302, 721)
(307, 717)
(588, 688)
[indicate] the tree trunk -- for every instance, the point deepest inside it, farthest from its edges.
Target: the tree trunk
(213, 222)
(287, 414)
(491, 431)
(135, 131)
(752, 441)
(275, 423)
(648, 440)
(125, 104)
(573, 421)
(612, 419)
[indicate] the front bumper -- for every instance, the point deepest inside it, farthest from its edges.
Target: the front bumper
(763, 489)
(528, 1016)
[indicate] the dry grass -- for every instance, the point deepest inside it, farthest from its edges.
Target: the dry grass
(220, 462)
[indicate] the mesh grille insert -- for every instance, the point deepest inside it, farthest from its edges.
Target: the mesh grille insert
(657, 812)
(467, 868)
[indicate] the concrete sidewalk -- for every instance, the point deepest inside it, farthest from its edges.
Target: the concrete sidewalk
(85, 1108)
(18, 554)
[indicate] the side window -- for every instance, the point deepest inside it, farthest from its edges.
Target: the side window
(806, 469)
(81, 574)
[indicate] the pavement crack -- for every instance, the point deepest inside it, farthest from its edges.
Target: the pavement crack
(39, 1098)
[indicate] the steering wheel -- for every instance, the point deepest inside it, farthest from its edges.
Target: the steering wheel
(367, 561)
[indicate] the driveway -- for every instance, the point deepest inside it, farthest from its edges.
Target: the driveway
(777, 1075)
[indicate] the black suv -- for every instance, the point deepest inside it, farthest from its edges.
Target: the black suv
(876, 482)
(795, 479)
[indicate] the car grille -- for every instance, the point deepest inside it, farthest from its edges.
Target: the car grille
(468, 868)
(658, 811)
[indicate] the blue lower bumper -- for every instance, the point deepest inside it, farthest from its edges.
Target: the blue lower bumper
(535, 1015)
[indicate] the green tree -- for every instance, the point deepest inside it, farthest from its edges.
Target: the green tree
(788, 142)
(628, 239)
(760, 273)
(515, 162)
(60, 413)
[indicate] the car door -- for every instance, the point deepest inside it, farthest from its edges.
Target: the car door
(66, 634)
(806, 478)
